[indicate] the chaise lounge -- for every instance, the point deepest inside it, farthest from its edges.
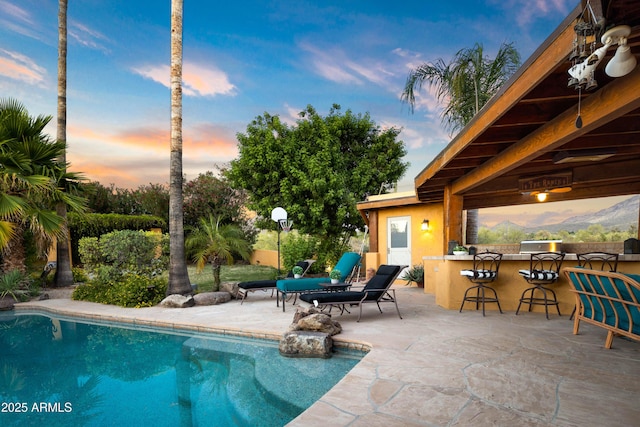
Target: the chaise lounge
(607, 299)
(346, 264)
(263, 285)
(376, 290)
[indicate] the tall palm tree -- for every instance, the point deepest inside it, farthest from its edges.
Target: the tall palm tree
(464, 86)
(215, 243)
(31, 178)
(178, 276)
(64, 276)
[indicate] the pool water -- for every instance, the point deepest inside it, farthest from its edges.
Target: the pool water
(60, 372)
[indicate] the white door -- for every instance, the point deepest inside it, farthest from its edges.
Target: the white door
(399, 240)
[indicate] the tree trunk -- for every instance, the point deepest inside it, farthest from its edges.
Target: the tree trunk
(64, 276)
(14, 255)
(472, 227)
(215, 268)
(178, 276)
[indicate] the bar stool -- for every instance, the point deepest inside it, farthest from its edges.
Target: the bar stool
(544, 270)
(603, 261)
(485, 270)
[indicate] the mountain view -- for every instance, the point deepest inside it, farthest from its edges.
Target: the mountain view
(620, 216)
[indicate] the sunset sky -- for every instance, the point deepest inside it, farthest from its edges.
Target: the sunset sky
(242, 59)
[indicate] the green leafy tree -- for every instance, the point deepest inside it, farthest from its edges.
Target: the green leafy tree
(215, 243)
(211, 195)
(464, 86)
(317, 169)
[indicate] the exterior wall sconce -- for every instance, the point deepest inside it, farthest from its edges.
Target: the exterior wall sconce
(542, 196)
(425, 225)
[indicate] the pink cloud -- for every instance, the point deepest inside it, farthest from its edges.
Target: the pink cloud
(198, 80)
(20, 67)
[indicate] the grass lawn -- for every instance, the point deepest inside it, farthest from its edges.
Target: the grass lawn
(230, 273)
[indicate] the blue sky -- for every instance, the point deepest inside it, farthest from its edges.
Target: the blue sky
(242, 59)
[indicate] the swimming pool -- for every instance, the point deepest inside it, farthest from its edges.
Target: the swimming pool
(61, 372)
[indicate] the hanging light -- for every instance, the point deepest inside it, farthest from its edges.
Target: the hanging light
(623, 62)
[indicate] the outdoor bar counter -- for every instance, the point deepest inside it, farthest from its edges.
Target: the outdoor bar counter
(442, 278)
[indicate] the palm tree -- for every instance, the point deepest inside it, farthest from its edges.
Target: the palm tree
(31, 178)
(64, 275)
(178, 276)
(215, 243)
(464, 86)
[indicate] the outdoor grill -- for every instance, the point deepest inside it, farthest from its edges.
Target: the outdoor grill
(533, 246)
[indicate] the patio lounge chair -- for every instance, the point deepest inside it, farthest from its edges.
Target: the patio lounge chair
(376, 290)
(346, 264)
(262, 285)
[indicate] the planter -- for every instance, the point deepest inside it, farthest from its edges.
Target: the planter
(460, 252)
(334, 281)
(297, 276)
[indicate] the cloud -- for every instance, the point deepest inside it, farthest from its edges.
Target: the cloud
(87, 37)
(197, 80)
(16, 19)
(335, 65)
(525, 12)
(20, 67)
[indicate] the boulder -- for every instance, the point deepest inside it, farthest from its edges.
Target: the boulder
(319, 322)
(6, 303)
(211, 298)
(312, 319)
(231, 287)
(306, 344)
(178, 301)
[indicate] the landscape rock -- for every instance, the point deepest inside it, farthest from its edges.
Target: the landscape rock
(312, 319)
(6, 303)
(211, 298)
(231, 287)
(306, 344)
(319, 322)
(178, 301)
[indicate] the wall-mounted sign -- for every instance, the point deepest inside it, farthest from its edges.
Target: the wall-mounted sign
(549, 183)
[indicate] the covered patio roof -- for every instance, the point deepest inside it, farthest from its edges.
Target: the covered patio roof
(526, 137)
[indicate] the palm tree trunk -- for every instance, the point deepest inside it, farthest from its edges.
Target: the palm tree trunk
(178, 276)
(472, 227)
(64, 276)
(14, 254)
(215, 268)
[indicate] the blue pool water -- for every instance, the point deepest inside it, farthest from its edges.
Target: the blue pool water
(56, 372)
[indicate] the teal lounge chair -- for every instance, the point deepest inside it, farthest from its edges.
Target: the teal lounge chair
(346, 264)
(263, 285)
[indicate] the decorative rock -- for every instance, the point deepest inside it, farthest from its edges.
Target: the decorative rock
(319, 322)
(312, 319)
(231, 287)
(302, 312)
(211, 298)
(178, 301)
(6, 303)
(306, 344)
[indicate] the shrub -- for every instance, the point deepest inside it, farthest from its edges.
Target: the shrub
(16, 284)
(132, 290)
(125, 252)
(298, 247)
(79, 275)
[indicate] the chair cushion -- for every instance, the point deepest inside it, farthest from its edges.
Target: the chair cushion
(479, 274)
(332, 297)
(539, 274)
(257, 284)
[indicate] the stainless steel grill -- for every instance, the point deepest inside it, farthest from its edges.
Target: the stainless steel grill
(533, 246)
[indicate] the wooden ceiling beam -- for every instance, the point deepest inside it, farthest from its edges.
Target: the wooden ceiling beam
(612, 101)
